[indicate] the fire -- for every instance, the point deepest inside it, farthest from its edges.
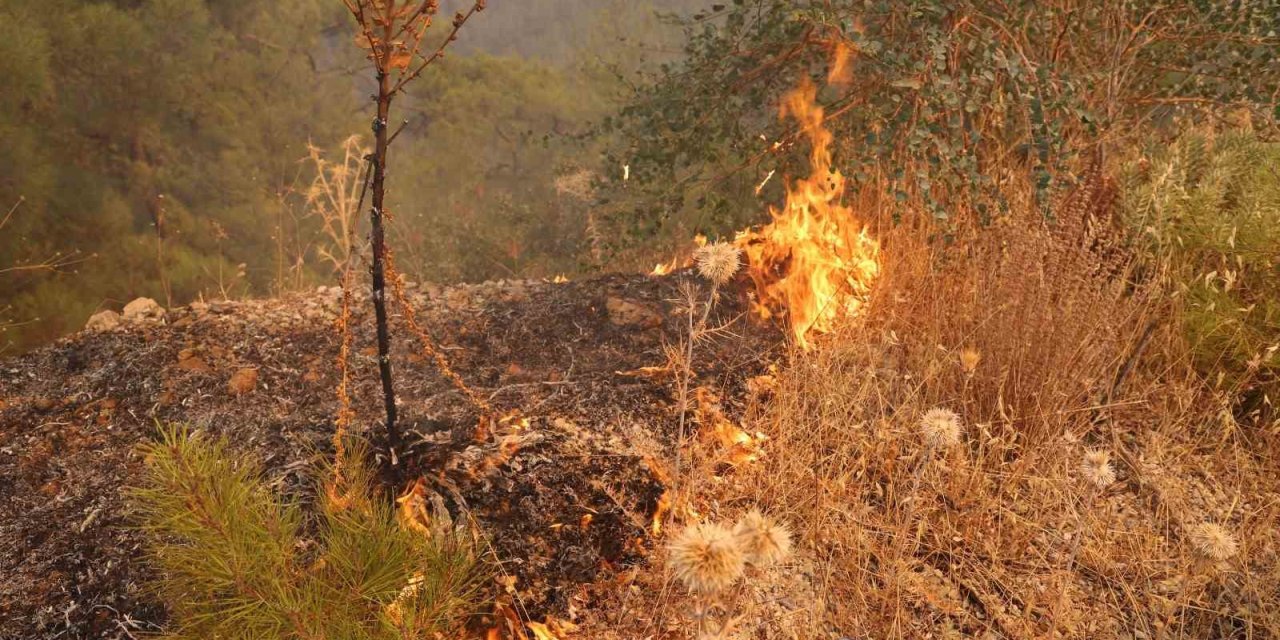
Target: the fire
(515, 628)
(413, 511)
(736, 445)
(814, 263)
(665, 268)
(659, 512)
(680, 260)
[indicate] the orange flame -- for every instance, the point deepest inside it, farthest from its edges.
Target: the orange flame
(665, 268)
(412, 512)
(841, 68)
(660, 512)
(738, 447)
(680, 260)
(815, 262)
(541, 631)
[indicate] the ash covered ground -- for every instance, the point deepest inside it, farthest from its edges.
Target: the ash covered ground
(263, 373)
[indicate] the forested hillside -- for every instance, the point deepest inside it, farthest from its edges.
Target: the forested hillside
(160, 148)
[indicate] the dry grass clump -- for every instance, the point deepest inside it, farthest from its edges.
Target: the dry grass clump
(1058, 358)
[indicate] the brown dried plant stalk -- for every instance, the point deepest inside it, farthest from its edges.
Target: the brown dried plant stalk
(337, 484)
(717, 263)
(335, 197)
(429, 347)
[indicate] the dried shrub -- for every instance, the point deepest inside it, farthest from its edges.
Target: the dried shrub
(1047, 342)
(1020, 320)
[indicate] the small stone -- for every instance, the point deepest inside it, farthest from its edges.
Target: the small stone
(189, 360)
(632, 314)
(143, 309)
(243, 381)
(103, 321)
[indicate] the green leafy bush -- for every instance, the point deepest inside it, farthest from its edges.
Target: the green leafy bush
(947, 103)
(236, 561)
(1211, 204)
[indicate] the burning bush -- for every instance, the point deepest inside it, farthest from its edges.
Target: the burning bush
(1088, 462)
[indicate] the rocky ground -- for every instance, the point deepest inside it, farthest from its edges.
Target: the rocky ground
(567, 501)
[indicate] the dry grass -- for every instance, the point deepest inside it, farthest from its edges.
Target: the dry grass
(334, 198)
(1023, 330)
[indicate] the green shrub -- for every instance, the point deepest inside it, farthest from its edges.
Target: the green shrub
(950, 104)
(236, 561)
(1211, 204)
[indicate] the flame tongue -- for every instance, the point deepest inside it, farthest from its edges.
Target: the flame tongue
(815, 262)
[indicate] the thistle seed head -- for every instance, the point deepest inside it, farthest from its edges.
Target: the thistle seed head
(940, 428)
(718, 262)
(1212, 541)
(1096, 468)
(706, 557)
(763, 541)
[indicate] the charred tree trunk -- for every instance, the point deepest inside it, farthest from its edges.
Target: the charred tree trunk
(379, 259)
(392, 31)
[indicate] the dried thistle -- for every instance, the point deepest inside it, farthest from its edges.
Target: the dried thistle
(1212, 541)
(706, 557)
(763, 541)
(1096, 468)
(941, 428)
(718, 262)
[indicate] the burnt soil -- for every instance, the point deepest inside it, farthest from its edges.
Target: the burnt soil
(598, 439)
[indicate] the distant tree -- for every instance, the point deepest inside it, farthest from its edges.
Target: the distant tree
(234, 90)
(394, 33)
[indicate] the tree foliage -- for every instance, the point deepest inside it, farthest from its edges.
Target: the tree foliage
(214, 105)
(129, 125)
(946, 101)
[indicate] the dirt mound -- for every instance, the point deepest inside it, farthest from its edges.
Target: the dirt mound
(566, 500)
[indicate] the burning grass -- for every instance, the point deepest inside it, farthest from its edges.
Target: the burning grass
(1094, 487)
(814, 263)
(999, 436)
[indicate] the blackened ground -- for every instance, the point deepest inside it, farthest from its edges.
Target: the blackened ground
(565, 501)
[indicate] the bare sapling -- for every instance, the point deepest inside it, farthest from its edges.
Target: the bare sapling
(393, 32)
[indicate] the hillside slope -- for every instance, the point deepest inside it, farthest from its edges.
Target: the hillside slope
(263, 373)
